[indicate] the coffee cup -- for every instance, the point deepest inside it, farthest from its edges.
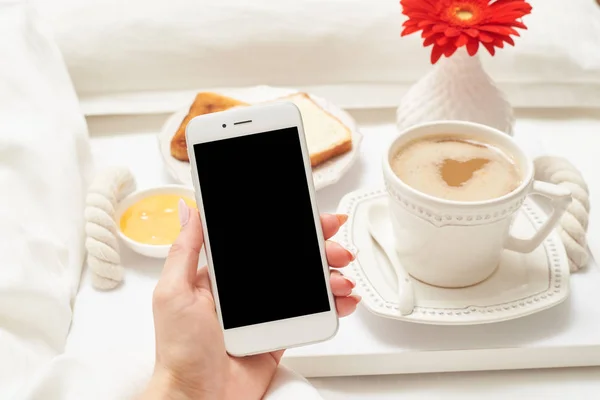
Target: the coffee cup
(458, 243)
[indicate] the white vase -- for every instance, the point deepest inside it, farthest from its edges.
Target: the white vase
(457, 88)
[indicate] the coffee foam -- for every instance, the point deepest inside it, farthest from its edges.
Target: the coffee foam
(455, 168)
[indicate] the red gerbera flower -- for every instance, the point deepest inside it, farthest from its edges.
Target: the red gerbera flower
(451, 24)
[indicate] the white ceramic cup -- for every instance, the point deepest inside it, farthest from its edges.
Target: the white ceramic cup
(454, 243)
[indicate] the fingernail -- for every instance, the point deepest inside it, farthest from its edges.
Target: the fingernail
(351, 280)
(184, 212)
(342, 218)
(351, 254)
(356, 297)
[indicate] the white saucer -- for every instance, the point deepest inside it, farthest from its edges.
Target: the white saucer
(522, 285)
(324, 175)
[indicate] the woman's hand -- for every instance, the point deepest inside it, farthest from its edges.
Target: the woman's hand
(191, 361)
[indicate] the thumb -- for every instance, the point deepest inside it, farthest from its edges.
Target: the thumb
(182, 262)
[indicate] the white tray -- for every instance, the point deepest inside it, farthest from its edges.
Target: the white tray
(566, 335)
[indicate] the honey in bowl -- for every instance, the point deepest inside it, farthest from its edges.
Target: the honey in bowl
(154, 219)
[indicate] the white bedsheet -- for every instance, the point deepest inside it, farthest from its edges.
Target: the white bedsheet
(44, 163)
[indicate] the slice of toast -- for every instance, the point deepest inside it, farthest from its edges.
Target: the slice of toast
(326, 136)
(204, 103)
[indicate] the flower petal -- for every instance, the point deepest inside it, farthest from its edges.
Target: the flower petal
(423, 24)
(428, 32)
(514, 4)
(472, 32)
(432, 39)
(485, 37)
(472, 47)
(440, 27)
(417, 5)
(442, 41)
(518, 24)
(410, 29)
(499, 29)
(436, 53)
(490, 48)
(510, 17)
(451, 31)
(502, 8)
(462, 40)
(418, 15)
(508, 40)
(450, 50)
(501, 39)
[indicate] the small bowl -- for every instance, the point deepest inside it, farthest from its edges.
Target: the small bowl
(149, 250)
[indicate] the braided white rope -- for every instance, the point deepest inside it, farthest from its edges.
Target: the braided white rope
(104, 260)
(574, 223)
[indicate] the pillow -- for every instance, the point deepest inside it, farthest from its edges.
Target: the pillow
(44, 162)
(152, 56)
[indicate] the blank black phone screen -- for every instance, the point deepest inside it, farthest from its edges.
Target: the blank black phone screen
(260, 224)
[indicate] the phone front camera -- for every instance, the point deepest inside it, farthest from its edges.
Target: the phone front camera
(224, 125)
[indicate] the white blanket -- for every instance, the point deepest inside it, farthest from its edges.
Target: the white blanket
(45, 165)
(44, 162)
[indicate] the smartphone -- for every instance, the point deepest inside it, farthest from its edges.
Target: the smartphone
(262, 231)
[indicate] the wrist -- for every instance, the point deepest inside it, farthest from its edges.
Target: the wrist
(165, 386)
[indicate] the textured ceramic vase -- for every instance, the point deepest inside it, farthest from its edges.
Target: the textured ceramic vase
(457, 88)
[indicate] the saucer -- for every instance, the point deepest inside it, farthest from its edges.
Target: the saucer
(522, 285)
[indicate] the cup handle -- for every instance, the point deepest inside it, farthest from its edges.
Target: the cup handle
(559, 198)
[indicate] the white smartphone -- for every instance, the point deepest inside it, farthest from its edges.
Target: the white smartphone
(262, 231)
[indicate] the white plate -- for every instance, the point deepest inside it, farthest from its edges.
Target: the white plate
(523, 284)
(323, 175)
